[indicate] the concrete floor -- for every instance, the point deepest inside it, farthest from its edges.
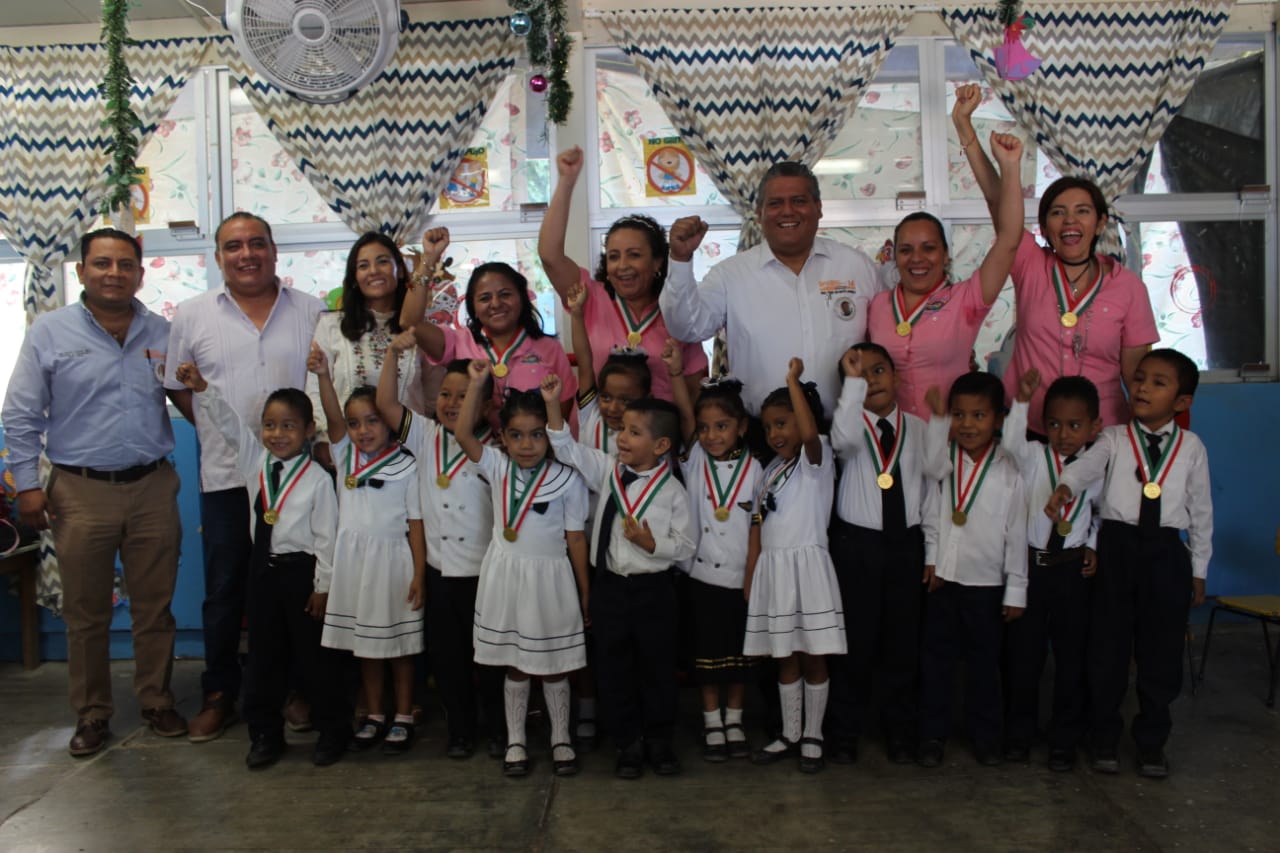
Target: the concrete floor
(147, 793)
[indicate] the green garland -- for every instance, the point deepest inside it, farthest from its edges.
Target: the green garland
(1009, 12)
(122, 122)
(552, 53)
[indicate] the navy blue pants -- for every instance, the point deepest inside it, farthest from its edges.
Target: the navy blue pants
(227, 547)
(962, 622)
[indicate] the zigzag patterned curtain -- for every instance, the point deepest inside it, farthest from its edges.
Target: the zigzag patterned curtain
(747, 88)
(381, 157)
(1112, 77)
(53, 157)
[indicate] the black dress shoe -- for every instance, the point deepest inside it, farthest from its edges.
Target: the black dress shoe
(714, 752)
(771, 754)
(1152, 763)
(901, 751)
(1017, 752)
(738, 746)
(515, 761)
(662, 758)
(930, 752)
(1062, 759)
(460, 748)
(265, 751)
(1104, 760)
(845, 752)
(330, 747)
(811, 763)
(630, 764)
(564, 766)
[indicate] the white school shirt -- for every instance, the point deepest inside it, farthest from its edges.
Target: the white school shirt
(802, 504)
(668, 515)
(595, 433)
(721, 555)
(1185, 500)
(771, 315)
(379, 511)
(309, 516)
(211, 331)
(858, 498)
(991, 548)
(459, 519)
(559, 506)
(1030, 456)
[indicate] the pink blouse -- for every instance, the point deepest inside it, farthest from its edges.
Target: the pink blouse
(937, 350)
(1118, 318)
(606, 329)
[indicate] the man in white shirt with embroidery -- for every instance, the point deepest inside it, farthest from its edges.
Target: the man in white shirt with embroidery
(248, 338)
(795, 295)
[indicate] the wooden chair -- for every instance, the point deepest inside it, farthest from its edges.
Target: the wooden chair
(25, 562)
(1265, 609)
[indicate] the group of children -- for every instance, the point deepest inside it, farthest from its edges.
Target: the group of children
(543, 555)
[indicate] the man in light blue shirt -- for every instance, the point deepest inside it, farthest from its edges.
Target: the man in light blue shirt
(89, 385)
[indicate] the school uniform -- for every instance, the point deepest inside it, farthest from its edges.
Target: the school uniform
(368, 612)
(983, 565)
(795, 603)
(291, 559)
(881, 539)
(459, 524)
(1058, 596)
(1142, 592)
(528, 611)
(720, 508)
(633, 600)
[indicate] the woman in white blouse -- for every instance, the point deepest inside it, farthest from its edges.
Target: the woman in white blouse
(355, 338)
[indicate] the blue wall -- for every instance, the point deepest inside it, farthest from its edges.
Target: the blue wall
(1235, 422)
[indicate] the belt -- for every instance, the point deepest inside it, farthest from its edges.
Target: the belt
(1056, 558)
(126, 475)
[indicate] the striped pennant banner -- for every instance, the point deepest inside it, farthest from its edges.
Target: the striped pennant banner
(53, 147)
(381, 157)
(1112, 77)
(746, 88)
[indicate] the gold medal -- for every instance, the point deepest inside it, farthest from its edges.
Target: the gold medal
(1151, 490)
(1064, 528)
(904, 329)
(500, 370)
(631, 519)
(1069, 319)
(722, 513)
(885, 480)
(350, 482)
(633, 338)
(443, 481)
(509, 534)
(271, 516)
(958, 518)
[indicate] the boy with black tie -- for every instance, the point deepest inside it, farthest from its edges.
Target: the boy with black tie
(1157, 485)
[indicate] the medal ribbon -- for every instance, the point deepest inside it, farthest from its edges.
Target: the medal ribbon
(632, 325)
(363, 472)
(887, 461)
(1153, 467)
(449, 466)
(1066, 301)
(1054, 462)
(503, 357)
(722, 498)
(602, 436)
(968, 491)
(777, 474)
(273, 499)
(899, 302)
(637, 510)
(516, 506)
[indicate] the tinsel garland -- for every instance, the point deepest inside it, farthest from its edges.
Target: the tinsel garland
(549, 45)
(122, 122)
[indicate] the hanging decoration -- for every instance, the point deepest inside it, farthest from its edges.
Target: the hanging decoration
(122, 122)
(543, 24)
(1012, 60)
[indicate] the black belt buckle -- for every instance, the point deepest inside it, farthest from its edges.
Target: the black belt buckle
(115, 478)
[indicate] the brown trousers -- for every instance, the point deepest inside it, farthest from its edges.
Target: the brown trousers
(92, 521)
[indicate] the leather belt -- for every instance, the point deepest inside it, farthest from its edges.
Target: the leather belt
(125, 475)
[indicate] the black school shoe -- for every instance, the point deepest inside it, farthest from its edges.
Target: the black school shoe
(630, 764)
(460, 748)
(930, 752)
(265, 751)
(1104, 760)
(1062, 759)
(1152, 763)
(662, 758)
(811, 763)
(331, 746)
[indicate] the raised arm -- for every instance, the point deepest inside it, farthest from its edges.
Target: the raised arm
(576, 298)
(967, 99)
(937, 436)
(388, 396)
(335, 418)
(561, 270)
(465, 433)
(692, 313)
(550, 390)
(428, 335)
(1007, 221)
(1014, 437)
(673, 359)
(846, 425)
(805, 424)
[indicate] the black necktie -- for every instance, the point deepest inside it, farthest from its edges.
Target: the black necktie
(262, 530)
(1054, 545)
(893, 506)
(1149, 510)
(608, 513)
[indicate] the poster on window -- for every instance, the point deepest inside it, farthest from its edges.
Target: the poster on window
(668, 167)
(469, 184)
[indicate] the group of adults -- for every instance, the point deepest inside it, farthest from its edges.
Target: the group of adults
(92, 379)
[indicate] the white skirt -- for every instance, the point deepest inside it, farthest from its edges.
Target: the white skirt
(528, 614)
(795, 605)
(368, 612)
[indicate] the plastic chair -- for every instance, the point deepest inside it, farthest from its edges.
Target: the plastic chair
(1264, 608)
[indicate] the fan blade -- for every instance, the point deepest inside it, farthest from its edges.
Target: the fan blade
(289, 58)
(343, 59)
(271, 11)
(348, 13)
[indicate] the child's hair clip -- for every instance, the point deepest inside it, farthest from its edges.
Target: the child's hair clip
(618, 351)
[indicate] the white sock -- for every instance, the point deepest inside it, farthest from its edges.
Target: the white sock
(515, 698)
(815, 708)
(792, 700)
(733, 717)
(586, 716)
(711, 720)
(557, 695)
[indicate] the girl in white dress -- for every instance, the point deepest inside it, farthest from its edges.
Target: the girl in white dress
(794, 612)
(379, 572)
(532, 596)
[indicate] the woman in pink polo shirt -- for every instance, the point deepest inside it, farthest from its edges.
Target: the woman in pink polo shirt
(622, 299)
(929, 323)
(503, 327)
